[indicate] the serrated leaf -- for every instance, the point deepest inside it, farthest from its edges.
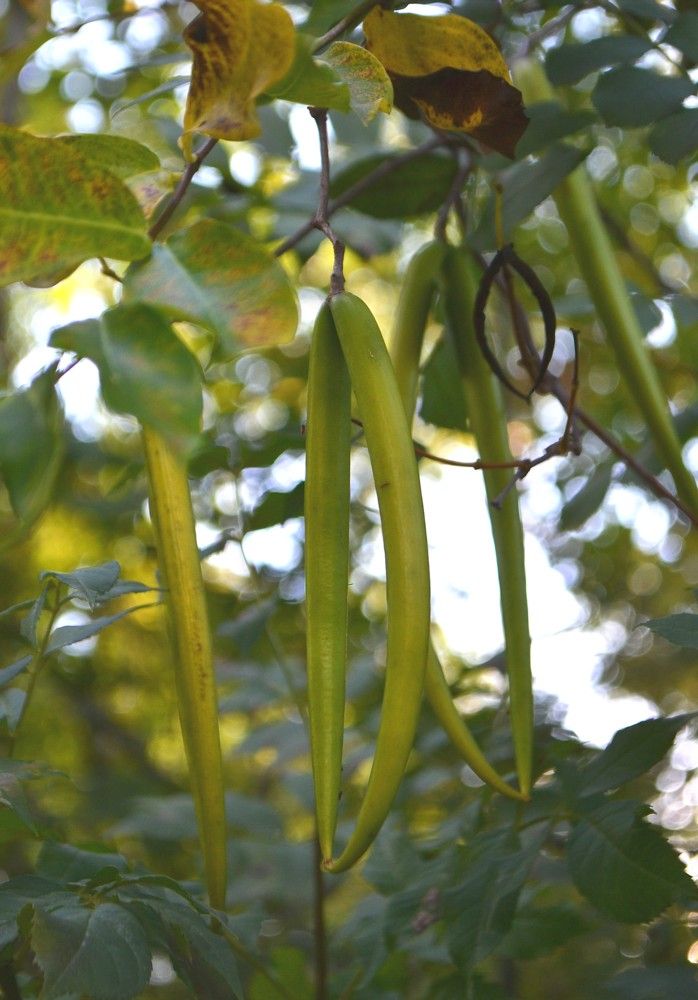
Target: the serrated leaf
(240, 48)
(675, 137)
(414, 188)
(221, 278)
(449, 71)
(549, 122)
(631, 753)
(311, 81)
(66, 635)
(59, 208)
(100, 952)
(571, 63)
(123, 157)
(31, 444)
(525, 186)
(90, 583)
(443, 399)
(63, 863)
(587, 500)
(681, 629)
(370, 89)
(631, 96)
(623, 865)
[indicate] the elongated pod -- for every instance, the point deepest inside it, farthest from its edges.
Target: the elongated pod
(489, 427)
(598, 265)
(419, 285)
(328, 446)
(173, 519)
(407, 566)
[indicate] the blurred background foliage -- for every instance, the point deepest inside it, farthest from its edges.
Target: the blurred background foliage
(104, 712)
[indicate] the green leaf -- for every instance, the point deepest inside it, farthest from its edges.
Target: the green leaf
(683, 34)
(623, 865)
(164, 88)
(90, 583)
(525, 186)
(539, 930)
(632, 96)
(11, 706)
(443, 399)
(144, 368)
(325, 13)
(655, 982)
(310, 81)
(571, 63)
(681, 629)
(30, 622)
(648, 9)
(31, 445)
(66, 635)
(631, 753)
(100, 952)
(277, 507)
(588, 499)
(59, 208)
(8, 674)
(63, 863)
(249, 625)
(413, 188)
(123, 157)
(370, 89)
(15, 893)
(217, 276)
(549, 122)
(675, 137)
(12, 797)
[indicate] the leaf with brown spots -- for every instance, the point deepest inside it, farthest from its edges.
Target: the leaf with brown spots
(448, 71)
(240, 48)
(59, 208)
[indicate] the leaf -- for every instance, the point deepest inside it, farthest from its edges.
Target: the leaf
(648, 9)
(623, 865)
(64, 863)
(144, 368)
(8, 674)
(164, 88)
(571, 63)
(416, 187)
(548, 122)
(11, 706)
(448, 70)
(681, 629)
(443, 399)
(539, 930)
(632, 96)
(310, 81)
(240, 48)
(12, 797)
(370, 89)
(30, 622)
(123, 157)
(58, 208)
(675, 137)
(525, 186)
(90, 583)
(99, 952)
(31, 445)
(587, 500)
(631, 753)
(277, 507)
(249, 625)
(66, 635)
(655, 982)
(223, 279)
(683, 34)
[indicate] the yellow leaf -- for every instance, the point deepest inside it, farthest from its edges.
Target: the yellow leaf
(240, 48)
(370, 89)
(414, 45)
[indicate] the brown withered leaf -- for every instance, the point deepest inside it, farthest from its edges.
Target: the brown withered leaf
(449, 71)
(240, 48)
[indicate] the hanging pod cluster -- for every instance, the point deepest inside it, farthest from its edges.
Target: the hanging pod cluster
(348, 353)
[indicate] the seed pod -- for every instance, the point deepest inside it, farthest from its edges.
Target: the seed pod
(407, 567)
(328, 445)
(173, 521)
(489, 427)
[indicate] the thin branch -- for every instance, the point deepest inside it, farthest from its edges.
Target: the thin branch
(348, 22)
(367, 181)
(551, 27)
(453, 198)
(181, 189)
(321, 220)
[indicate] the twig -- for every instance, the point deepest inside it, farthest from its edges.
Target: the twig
(383, 170)
(119, 15)
(321, 219)
(348, 22)
(453, 198)
(109, 271)
(549, 28)
(319, 928)
(181, 189)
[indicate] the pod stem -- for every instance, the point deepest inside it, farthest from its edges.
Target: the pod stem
(174, 525)
(593, 251)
